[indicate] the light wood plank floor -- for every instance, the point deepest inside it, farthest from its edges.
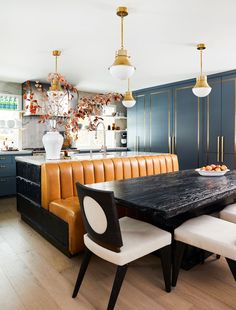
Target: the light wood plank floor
(35, 275)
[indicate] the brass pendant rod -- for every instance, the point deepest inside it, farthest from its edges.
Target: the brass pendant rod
(56, 63)
(122, 32)
(128, 84)
(201, 61)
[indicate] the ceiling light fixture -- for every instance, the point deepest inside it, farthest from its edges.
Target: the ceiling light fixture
(201, 88)
(128, 100)
(122, 68)
(55, 93)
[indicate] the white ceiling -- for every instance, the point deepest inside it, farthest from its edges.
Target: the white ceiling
(160, 35)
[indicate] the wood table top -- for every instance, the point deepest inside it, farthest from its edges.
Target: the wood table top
(172, 194)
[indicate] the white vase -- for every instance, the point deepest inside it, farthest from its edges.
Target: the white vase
(52, 142)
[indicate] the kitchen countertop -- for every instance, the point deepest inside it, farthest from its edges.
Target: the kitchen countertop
(39, 160)
(15, 152)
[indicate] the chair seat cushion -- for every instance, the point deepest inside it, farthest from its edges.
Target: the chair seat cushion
(139, 239)
(69, 211)
(209, 233)
(229, 213)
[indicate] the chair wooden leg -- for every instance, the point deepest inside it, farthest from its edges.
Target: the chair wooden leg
(83, 268)
(165, 255)
(120, 275)
(179, 248)
(232, 266)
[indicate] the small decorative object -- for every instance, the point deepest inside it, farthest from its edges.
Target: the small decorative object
(212, 170)
(113, 126)
(109, 127)
(10, 123)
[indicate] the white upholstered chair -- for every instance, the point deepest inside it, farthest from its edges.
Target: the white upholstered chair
(208, 233)
(229, 213)
(118, 241)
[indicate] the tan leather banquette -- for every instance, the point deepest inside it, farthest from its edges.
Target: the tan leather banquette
(58, 181)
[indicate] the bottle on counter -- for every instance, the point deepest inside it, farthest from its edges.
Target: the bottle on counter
(113, 126)
(109, 127)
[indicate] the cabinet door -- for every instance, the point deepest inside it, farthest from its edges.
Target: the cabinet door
(160, 122)
(131, 126)
(228, 114)
(212, 117)
(187, 126)
(141, 114)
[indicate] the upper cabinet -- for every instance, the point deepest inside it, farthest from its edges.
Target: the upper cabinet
(187, 129)
(219, 121)
(171, 119)
(161, 121)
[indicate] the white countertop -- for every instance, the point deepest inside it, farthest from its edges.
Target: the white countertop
(39, 160)
(15, 152)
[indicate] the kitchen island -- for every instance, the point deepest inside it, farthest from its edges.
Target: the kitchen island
(44, 184)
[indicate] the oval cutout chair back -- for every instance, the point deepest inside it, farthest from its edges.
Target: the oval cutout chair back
(100, 217)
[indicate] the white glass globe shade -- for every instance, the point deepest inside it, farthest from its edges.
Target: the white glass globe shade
(201, 91)
(122, 72)
(128, 103)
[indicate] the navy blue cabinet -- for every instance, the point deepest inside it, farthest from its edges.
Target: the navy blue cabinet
(161, 123)
(187, 131)
(8, 174)
(131, 125)
(170, 119)
(138, 124)
(219, 121)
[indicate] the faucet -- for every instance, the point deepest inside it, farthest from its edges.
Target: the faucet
(104, 147)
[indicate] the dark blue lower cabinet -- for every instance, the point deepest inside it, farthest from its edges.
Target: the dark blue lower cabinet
(7, 186)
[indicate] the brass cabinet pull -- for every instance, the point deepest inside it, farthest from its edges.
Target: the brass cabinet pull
(3, 180)
(170, 144)
(137, 143)
(173, 145)
(2, 158)
(2, 166)
(218, 149)
(222, 149)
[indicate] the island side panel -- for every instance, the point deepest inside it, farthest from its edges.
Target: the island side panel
(51, 227)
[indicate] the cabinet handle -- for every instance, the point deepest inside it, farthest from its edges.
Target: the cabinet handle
(137, 143)
(170, 144)
(2, 166)
(173, 145)
(222, 149)
(218, 149)
(2, 158)
(3, 180)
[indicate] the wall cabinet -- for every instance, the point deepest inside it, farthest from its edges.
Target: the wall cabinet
(170, 119)
(166, 121)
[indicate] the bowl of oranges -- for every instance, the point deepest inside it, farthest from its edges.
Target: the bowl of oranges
(212, 170)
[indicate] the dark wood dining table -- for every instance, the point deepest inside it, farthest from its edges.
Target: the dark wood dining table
(170, 199)
(167, 200)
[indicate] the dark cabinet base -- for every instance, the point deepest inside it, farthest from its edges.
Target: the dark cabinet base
(51, 227)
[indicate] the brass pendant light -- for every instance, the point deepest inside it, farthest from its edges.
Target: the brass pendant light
(128, 100)
(201, 88)
(55, 92)
(122, 68)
